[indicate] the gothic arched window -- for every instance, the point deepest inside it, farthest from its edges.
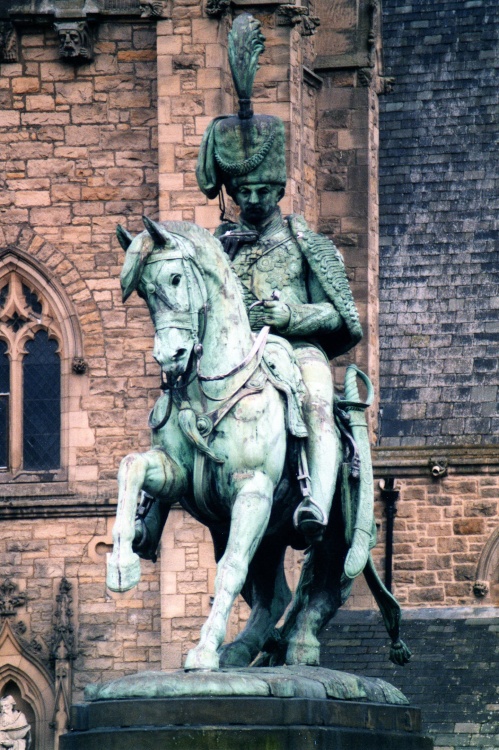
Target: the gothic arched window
(31, 345)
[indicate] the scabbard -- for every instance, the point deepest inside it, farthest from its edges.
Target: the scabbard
(358, 554)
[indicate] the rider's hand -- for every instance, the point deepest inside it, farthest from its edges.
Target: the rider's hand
(277, 314)
(257, 318)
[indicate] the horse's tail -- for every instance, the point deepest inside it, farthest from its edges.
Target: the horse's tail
(390, 611)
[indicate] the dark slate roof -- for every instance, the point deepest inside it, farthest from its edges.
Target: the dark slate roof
(439, 222)
(452, 677)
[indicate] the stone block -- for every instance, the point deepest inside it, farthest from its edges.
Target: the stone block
(25, 85)
(10, 119)
(468, 526)
(172, 605)
(170, 134)
(169, 45)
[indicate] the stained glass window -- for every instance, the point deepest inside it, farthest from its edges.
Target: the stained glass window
(4, 405)
(41, 404)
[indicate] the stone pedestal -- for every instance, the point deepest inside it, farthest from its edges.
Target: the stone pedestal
(243, 723)
(281, 708)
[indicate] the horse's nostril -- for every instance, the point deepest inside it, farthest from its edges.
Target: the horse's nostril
(179, 353)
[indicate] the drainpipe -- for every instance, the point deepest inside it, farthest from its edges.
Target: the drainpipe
(390, 496)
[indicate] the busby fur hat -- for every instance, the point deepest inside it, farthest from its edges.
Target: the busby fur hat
(244, 148)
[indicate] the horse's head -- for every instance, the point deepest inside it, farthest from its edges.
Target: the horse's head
(160, 265)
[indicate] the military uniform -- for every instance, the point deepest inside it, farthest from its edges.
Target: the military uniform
(246, 153)
(308, 272)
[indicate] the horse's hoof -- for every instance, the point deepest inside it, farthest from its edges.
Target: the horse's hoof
(123, 576)
(201, 659)
(235, 655)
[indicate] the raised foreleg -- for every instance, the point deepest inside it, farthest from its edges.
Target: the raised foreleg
(157, 474)
(249, 519)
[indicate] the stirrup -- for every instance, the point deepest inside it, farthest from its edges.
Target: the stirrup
(310, 519)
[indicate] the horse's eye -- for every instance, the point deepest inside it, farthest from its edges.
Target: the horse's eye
(176, 279)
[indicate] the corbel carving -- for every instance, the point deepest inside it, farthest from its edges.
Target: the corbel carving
(365, 76)
(75, 41)
(481, 589)
(11, 598)
(79, 366)
(8, 42)
(216, 8)
(382, 84)
(439, 466)
(294, 15)
(155, 8)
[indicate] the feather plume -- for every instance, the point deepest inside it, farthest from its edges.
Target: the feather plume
(246, 43)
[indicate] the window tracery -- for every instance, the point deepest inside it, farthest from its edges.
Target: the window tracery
(31, 347)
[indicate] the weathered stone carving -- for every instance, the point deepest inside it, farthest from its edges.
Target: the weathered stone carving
(216, 8)
(153, 8)
(293, 15)
(8, 42)
(75, 41)
(310, 25)
(11, 598)
(14, 727)
(439, 466)
(63, 640)
(62, 655)
(79, 366)
(382, 84)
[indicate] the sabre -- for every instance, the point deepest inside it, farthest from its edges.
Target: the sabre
(360, 543)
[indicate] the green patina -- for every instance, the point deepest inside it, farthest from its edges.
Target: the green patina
(247, 434)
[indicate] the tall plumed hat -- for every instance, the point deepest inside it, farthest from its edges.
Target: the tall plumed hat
(244, 148)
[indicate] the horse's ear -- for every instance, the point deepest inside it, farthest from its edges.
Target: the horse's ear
(124, 237)
(158, 233)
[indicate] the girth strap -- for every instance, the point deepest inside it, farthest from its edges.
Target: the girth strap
(207, 422)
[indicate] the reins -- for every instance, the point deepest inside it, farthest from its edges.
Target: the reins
(198, 318)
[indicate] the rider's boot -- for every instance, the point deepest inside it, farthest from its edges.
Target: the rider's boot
(322, 449)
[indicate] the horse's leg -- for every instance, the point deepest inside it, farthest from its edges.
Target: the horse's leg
(156, 473)
(267, 593)
(321, 591)
(249, 519)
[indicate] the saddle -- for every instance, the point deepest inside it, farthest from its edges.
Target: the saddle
(279, 365)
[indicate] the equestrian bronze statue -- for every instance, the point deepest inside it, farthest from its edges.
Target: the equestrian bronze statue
(247, 434)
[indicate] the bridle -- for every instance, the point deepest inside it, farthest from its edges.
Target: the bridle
(194, 320)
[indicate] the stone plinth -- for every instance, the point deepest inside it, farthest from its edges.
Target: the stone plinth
(289, 708)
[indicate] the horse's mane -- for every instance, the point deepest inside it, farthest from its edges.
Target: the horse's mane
(192, 232)
(197, 234)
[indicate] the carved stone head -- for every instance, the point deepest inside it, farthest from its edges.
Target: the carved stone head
(75, 41)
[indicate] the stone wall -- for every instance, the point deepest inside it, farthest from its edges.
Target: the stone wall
(79, 154)
(439, 269)
(113, 636)
(441, 528)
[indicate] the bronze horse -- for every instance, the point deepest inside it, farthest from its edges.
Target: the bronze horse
(222, 447)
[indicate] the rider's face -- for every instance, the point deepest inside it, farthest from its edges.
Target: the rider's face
(257, 202)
